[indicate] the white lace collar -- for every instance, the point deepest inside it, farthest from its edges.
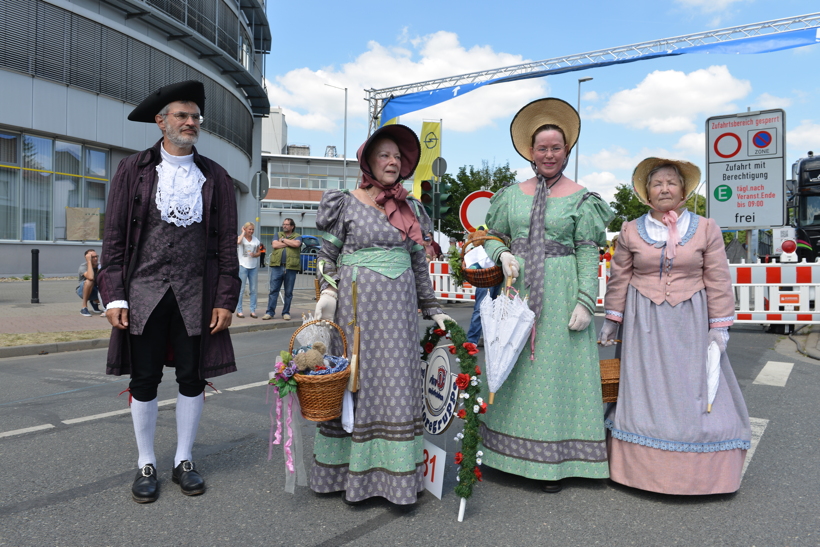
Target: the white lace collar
(179, 189)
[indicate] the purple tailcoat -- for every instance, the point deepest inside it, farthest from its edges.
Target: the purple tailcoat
(129, 201)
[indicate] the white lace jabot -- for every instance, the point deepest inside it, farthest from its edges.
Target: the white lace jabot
(179, 189)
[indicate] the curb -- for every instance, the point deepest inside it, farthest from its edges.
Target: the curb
(80, 345)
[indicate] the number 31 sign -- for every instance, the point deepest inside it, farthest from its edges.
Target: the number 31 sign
(434, 462)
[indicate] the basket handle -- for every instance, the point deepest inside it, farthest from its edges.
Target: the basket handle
(475, 243)
(323, 322)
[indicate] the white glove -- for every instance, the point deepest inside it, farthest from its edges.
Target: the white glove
(325, 307)
(720, 336)
(440, 318)
(608, 332)
(580, 318)
(509, 264)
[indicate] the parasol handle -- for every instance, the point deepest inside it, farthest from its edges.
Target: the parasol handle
(508, 285)
(492, 398)
(461, 507)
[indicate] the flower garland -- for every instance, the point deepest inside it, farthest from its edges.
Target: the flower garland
(468, 381)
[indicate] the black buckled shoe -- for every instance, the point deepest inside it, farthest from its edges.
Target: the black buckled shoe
(186, 476)
(145, 488)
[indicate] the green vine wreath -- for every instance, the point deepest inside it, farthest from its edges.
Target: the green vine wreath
(469, 382)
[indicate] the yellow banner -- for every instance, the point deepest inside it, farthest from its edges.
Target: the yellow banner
(430, 150)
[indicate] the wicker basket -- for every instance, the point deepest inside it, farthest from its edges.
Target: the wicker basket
(610, 378)
(321, 396)
(481, 277)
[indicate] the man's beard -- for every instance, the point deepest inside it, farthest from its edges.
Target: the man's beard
(178, 139)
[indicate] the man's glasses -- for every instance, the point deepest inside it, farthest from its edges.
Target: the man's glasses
(183, 116)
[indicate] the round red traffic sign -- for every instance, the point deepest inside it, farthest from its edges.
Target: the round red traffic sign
(729, 136)
(474, 209)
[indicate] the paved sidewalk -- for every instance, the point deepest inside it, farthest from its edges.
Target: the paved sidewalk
(59, 311)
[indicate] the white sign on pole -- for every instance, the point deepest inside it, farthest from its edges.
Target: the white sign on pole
(435, 460)
(745, 184)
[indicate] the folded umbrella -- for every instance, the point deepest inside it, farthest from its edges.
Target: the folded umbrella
(712, 373)
(506, 322)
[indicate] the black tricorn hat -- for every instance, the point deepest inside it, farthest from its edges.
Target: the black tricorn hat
(191, 90)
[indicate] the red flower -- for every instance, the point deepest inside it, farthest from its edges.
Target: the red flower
(483, 408)
(429, 347)
(459, 457)
(470, 347)
(477, 473)
(477, 371)
(439, 332)
(462, 381)
(462, 414)
(452, 349)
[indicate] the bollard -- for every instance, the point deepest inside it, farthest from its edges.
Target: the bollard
(35, 276)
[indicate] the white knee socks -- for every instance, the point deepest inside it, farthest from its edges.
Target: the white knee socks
(189, 409)
(144, 416)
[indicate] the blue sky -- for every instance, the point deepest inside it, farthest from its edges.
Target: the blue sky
(628, 112)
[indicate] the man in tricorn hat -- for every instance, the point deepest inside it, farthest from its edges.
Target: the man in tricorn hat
(170, 279)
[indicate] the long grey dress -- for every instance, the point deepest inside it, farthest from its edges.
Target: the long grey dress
(384, 454)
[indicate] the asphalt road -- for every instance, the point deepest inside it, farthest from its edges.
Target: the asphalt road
(68, 484)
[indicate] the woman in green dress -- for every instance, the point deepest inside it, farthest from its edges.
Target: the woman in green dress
(547, 422)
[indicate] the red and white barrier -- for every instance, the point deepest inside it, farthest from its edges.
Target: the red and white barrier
(776, 293)
(764, 293)
(443, 284)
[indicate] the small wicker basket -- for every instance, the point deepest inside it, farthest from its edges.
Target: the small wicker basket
(321, 396)
(481, 277)
(610, 379)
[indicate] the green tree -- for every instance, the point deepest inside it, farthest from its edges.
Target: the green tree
(468, 180)
(626, 207)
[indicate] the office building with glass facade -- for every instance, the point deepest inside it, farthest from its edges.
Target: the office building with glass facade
(72, 70)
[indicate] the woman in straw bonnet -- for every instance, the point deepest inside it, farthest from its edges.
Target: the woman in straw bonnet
(372, 262)
(671, 290)
(546, 421)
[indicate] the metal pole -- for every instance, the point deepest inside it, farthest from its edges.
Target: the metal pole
(577, 143)
(344, 169)
(35, 276)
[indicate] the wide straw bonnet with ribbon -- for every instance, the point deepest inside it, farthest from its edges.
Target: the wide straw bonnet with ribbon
(689, 171)
(542, 112)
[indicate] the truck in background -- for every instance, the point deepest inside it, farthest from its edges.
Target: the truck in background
(804, 206)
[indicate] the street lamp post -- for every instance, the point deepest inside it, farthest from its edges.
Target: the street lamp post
(577, 146)
(344, 152)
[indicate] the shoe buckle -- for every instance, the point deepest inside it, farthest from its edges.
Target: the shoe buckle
(187, 466)
(147, 470)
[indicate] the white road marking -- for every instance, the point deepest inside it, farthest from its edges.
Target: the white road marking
(97, 416)
(758, 427)
(26, 430)
(774, 373)
(246, 386)
(92, 417)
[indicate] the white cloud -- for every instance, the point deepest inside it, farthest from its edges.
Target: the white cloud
(692, 147)
(590, 97)
(806, 135)
(767, 101)
(708, 6)
(523, 173)
(610, 159)
(669, 101)
(309, 104)
(603, 183)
